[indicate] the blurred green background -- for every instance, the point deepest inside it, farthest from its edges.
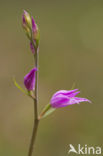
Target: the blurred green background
(71, 51)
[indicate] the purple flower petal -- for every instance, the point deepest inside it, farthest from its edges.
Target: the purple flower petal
(74, 94)
(65, 92)
(64, 98)
(58, 100)
(79, 99)
(29, 79)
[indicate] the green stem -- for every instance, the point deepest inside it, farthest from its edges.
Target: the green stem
(36, 120)
(34, 133)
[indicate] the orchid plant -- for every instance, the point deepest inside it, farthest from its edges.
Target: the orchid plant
(61, 98)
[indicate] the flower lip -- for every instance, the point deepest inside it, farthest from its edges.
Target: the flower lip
(64, 98)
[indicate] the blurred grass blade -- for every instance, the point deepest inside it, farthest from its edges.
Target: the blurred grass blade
(73, 86)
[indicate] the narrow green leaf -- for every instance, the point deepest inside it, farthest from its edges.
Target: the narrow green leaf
(19, 87)
(47, 111)
(50, 111)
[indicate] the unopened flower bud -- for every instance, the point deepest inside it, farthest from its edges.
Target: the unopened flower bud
(35, 31)
(32, 48)
(27, 19)
(26, 23)
(29, 80)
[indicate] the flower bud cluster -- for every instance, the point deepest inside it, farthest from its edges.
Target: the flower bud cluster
(31, 30)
